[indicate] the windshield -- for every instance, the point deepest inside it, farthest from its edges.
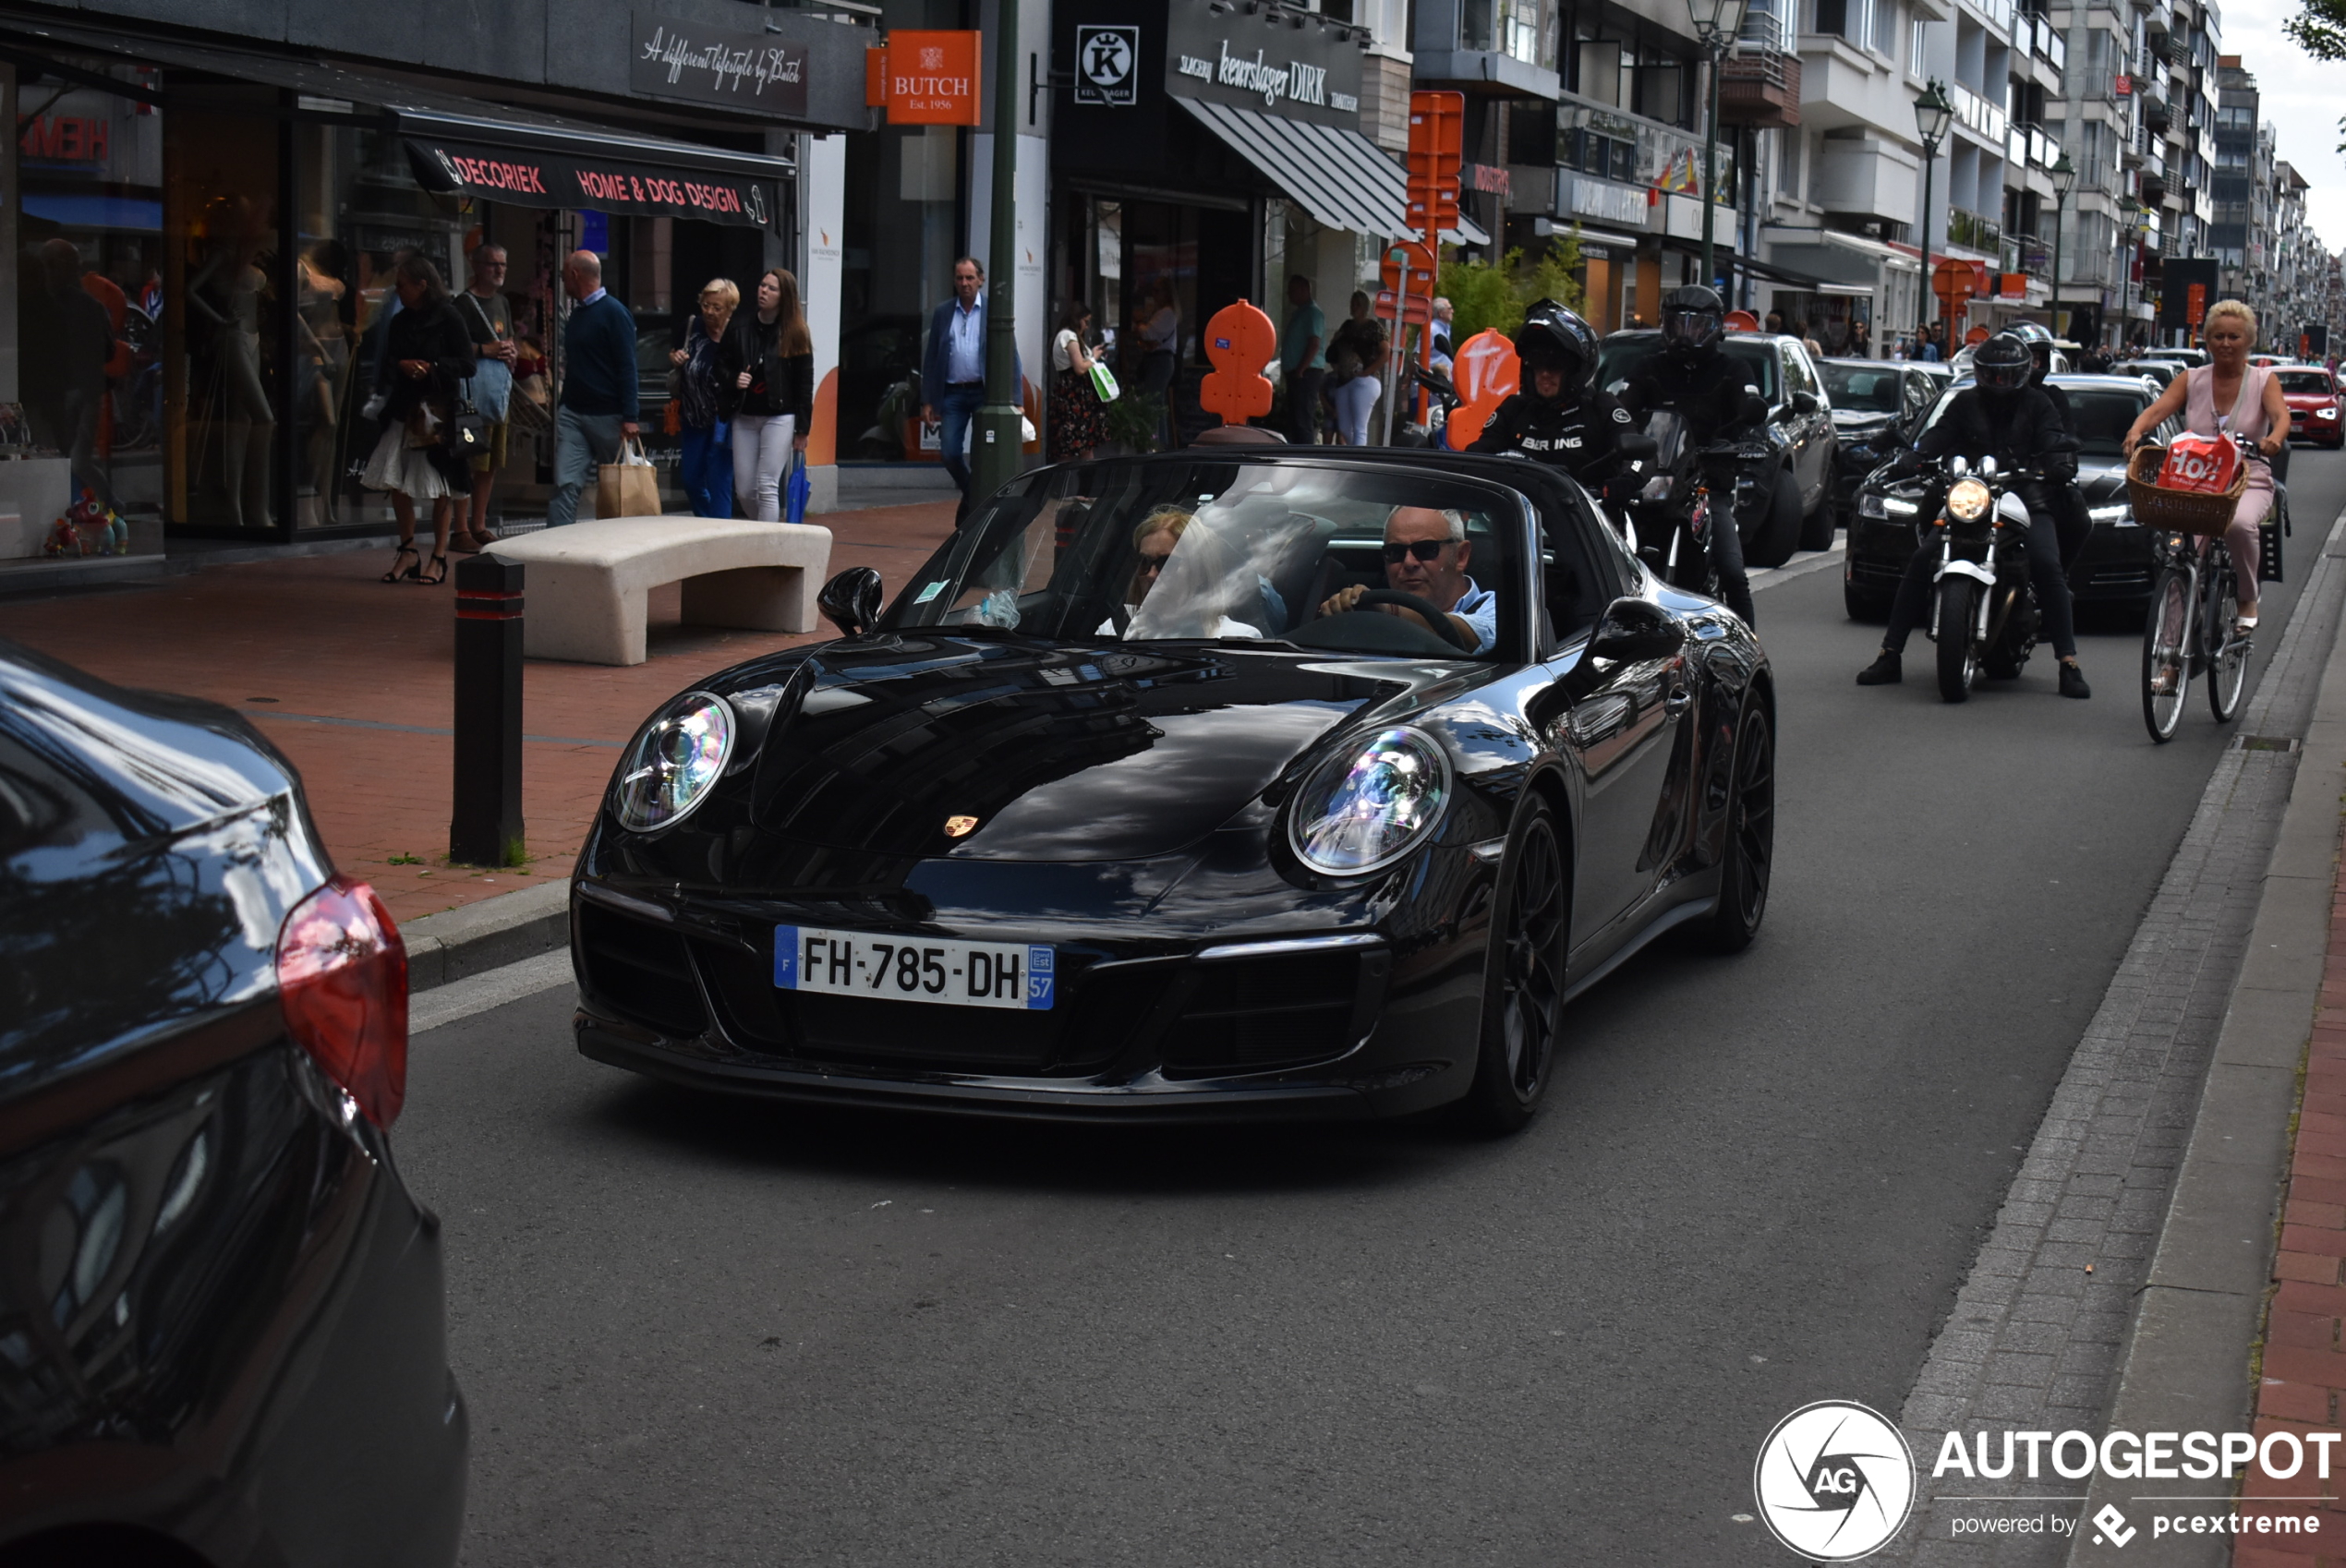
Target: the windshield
(2102, 415)
(1861, 388)
(1623, 356)
(1236, 551)
(2314, 381)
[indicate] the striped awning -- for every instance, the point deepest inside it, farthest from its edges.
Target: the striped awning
(1339, 176)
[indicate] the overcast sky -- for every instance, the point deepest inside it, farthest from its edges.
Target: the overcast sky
(2300, 99)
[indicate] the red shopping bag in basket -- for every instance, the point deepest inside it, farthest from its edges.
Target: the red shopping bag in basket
(2205, 465)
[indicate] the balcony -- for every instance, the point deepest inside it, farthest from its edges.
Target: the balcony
(1973, 231)
(1759, 84)
(1976, 115)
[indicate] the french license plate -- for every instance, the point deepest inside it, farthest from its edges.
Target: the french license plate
(967, 974)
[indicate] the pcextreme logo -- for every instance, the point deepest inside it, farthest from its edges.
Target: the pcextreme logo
(1834, 1481)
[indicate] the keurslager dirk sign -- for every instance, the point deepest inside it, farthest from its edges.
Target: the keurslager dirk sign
(1263, 63)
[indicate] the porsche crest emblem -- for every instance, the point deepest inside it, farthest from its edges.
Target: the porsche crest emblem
(959, 827)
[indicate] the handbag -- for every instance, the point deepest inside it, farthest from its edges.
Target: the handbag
(800, 492)
(1104, 385)
(629, 488)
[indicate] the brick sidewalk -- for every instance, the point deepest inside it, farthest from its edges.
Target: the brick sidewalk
(292, 643)
(2304, 1357)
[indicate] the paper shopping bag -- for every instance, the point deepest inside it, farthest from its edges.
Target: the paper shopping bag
(629, 488)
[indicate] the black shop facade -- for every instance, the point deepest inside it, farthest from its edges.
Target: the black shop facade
(238, 215)
(1202, 154)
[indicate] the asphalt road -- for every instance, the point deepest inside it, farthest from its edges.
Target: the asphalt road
(699, 1332)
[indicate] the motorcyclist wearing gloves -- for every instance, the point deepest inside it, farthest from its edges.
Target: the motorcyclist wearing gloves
(1708, 388)
(2006, 417)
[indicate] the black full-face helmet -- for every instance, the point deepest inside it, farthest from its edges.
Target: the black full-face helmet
(1554, 337)
(2039, 342)
(1693, 317)
(2003, 363)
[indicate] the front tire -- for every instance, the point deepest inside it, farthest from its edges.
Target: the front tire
(1772, 541)
(1958, 660)
(1523, 980)
(2166, 671)
(1818, 528)
(1748, 858)
(2227, 658)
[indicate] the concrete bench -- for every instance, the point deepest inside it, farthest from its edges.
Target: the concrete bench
(588, 582)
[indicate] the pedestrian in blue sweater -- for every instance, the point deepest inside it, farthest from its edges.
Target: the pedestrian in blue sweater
(599, 397)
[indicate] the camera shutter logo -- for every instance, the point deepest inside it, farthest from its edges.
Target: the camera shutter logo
(1834, 1481)
(1106, 58)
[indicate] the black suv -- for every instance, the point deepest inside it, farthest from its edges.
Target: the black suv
(1799, 514)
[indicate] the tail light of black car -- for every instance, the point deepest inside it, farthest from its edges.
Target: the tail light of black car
(341, 980)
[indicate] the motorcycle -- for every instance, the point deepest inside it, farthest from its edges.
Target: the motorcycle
(1983, 610)
(1677, 492)
(1441, 399)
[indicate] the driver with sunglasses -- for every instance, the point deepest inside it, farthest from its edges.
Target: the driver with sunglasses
(1426, 554)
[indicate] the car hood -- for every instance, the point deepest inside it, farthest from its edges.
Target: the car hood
(1854, 419)
(1002, 749)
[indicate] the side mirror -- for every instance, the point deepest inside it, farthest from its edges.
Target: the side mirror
(1805, 403)
(1634, 629)
(850, 601)
(1755, 409)
(1645, 449)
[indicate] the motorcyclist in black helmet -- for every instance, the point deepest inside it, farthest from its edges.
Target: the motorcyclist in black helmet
(1710, 390)
(2006, 416)
(1558, 416)
(2070, 518)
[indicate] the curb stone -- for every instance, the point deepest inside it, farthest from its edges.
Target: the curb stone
(488, 935)
(2042, 1330)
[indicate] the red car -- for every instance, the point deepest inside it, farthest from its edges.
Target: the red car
(2312, 395)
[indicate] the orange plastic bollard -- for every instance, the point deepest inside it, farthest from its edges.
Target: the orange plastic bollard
(1239, 340)
(1487, 375)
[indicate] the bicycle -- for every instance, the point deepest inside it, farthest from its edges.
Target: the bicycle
(2191, 630)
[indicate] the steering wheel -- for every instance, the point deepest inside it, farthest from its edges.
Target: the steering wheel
(1442, 626)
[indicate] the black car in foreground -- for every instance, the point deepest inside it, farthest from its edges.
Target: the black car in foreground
(2113, 568)
(1107, 815)
(221, 1312)
(1793, 511)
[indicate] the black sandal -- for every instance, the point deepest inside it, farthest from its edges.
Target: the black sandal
(441, 562)
(395, 575)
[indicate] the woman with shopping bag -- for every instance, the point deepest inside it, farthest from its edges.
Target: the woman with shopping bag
(768, 357)
(1079, 419)
(431, 354)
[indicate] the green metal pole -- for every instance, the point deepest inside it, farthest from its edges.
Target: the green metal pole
(1922, 305)
(996, 460)
(2055, 313)
(1710, 163)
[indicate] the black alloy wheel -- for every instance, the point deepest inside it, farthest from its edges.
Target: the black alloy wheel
(1748, 857)
(1523, 978)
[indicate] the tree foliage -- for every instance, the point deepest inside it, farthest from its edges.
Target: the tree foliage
(1486, 296)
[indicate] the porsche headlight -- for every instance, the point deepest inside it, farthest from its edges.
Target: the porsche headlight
(674, 763)
(1967, 502)
(1361, 812)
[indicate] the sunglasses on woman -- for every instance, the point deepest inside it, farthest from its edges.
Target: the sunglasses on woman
(1423, 550)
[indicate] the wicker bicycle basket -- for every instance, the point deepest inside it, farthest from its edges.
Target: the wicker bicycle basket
(2181, 512)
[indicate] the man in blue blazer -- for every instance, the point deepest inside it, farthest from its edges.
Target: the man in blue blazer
(953, 368)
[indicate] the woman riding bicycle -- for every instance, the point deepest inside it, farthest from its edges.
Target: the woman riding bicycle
(2251, 394)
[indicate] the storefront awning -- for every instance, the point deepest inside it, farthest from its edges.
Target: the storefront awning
(535, 166)
(461, 146)
(1339, 176)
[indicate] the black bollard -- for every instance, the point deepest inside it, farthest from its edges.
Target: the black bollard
(485, 828)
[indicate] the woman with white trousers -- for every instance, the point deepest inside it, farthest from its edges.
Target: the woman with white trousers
(771, 356)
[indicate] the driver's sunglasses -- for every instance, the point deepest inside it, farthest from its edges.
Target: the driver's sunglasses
(1152, 564)
(1423, 550)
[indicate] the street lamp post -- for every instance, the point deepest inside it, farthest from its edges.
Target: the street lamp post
(1716, 23)
(2064, 180)
(2132, 210)
(996, 458)
(1931, 114)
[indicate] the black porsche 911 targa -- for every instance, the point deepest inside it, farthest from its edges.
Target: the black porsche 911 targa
(1217, 784)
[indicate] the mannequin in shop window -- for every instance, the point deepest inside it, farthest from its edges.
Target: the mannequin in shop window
(223, 298)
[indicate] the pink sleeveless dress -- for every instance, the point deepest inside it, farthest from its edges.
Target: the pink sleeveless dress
(2247, 419)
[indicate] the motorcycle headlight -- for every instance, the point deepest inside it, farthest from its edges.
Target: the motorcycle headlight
(1967, 502)
(674, 763)
(1363, 813)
